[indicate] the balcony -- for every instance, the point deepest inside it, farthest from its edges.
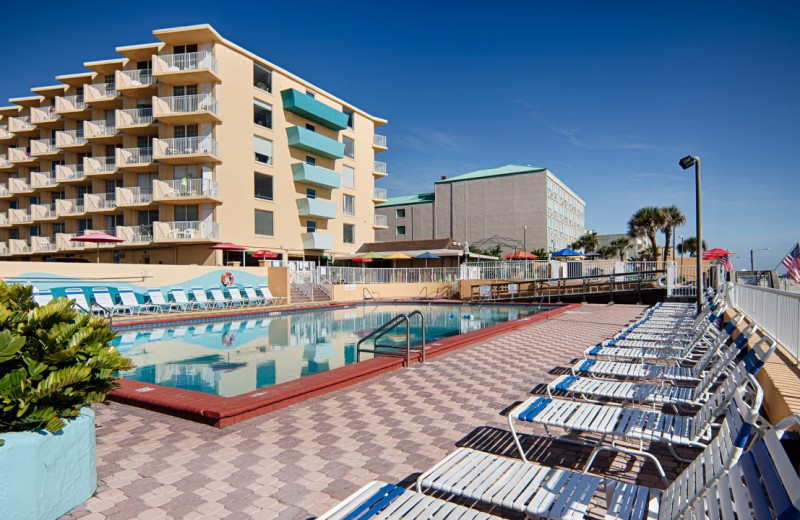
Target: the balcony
(137, 121)
(315, 143)
(22, 126)
(102, 95)
(379, 169)
(70, 207)
(19, 247)
(17, 185)
(136, 83)
(43, 180)
(184, 110)
(317, 240)
(70, 173)
(45, 116)
(4, 251)
(186, 150)
(74, 106)
(190, 67)
(134, 196)
(21, 155)
(5, 135)
(18, 216)
(71, 140)
(134, 235)
(100, 202)
(5, 163)
(136, 159)
(306, 106)
(100, 166)
(315, 176)
(186, 191)
(189, 231)
(44, 147)
(379, 195)
(63, 242)
(316, 208)
(4, 191)
(101, 132)
(380, 222)
(4, 220)
(42, 245)
(379, 142)
(43, 212)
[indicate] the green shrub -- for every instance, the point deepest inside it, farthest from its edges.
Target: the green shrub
(54, 360)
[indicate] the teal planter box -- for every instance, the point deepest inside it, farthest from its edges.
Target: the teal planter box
(316, 208)
(313, 142)
(317, 240)
(315, 175)
(44, 475)
(306, 106)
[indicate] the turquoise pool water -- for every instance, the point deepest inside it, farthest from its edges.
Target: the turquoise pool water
(230, 358)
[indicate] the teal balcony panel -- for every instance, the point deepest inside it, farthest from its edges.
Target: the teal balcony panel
(306, 106)
(316, 175)
(322, 241)
(316, 208)
(315, 143)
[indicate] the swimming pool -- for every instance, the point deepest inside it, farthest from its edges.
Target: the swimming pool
(230, 358)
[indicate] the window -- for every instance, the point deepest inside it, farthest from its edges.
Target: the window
(349, 234)
(146, 218)
(185, 49)
(348, 176)
(33, 200)
(349, 147)
(58, 228)
(311, 160)
(263, 150)
(186, 213)
(311, 193)
(401, 230)
(183, 131)
(57, 195)
(263, 186)
(262, 78)
(311, 226)
(311, 127)
(109, 79)
(349, 205)
(35, 231)
(262, 114)
(350, 116)
(184, 90)
(112, 221)
(143, 141)
(264, 223)
(84, 224)
(401, 213)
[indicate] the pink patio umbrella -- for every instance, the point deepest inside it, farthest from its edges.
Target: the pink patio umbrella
(97, 237)
(520, 255)
(263, 253)
(229, 246)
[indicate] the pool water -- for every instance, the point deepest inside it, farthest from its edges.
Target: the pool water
(230, 358)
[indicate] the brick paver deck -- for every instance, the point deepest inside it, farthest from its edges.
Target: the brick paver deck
(299, 461)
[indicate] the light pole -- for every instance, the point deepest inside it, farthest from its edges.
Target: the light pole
(686, 163)
(525, 238)
(751, 256)
(682, 248)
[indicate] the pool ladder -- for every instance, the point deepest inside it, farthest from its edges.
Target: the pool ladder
(394, 350)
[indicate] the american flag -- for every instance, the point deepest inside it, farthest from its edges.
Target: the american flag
(792, 263)
(725, 262)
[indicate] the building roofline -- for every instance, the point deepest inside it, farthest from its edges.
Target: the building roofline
(408, 200)
(563, 185)
(479, 174)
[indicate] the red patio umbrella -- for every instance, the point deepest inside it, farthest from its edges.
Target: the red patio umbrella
(229, 246)
(263, 253)
(97, 237)
(362, 259)
(520, 255)
(716, 253)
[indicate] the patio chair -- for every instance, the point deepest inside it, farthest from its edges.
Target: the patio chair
(157, 298)
(42, 297)
(104, 300)
(128, 298)
(179, 297)
(81, 303)
(199, 295)
(236, 296)
(250, 293)
(265, 292)
(219, 298)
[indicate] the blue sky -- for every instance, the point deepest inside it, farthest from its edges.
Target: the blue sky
(607, 95)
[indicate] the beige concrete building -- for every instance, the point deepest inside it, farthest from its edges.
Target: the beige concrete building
(514, 206)
(181, 144)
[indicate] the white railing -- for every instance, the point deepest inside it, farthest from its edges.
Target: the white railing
(135, 234)
(185, 188)
(381, 220)
(99, 165)
(3, 219)
(18, 216)
(44, 114)
(70, 103)
(43, 180)
(99, 128)
(777, 312)
(135, 78)
(188, 230)
(19, 246)
(20, 124)
(100, 91)
(70, 138)
(134, 117)
(4, 190)
(99, 201)
(63, 242)
(379, 167)
(4, 162)
(338, 275)
(20, 154)
(186, 61)
(70, 207)
(134, 156)
(4, 133)
(379, 194)
(43, 211)
(185, 146)
(69, 172)
(544, 269)
(16, 185)
(43, 147)
(379, 140)
(4, 249)
(134, 195)
(42, 244)
(185, 104)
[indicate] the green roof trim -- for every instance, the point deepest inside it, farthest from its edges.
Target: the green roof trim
(509, 169)
(419, 198)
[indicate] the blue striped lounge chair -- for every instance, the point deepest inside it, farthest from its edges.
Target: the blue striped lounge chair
(157, 298)
(42, 297)
(104, 300)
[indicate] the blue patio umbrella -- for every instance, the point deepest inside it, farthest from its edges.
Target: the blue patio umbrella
(427, 255)
(566, 253)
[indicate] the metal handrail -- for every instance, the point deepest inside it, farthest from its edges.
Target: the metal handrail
(366, 292)
(386, 328)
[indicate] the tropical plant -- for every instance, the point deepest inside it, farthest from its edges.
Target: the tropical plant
(689, 246)
(620, 246)
(607, 251)
(646, 222)
(540, 253)
(54, 360)
(588, 241)
(496, 251)
(673, 217)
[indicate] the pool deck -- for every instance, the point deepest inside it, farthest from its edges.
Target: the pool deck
(299, 461)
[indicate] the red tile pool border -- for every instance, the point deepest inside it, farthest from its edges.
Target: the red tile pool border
(224, 411)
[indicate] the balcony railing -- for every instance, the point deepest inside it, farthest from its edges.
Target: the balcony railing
(190, 230)
(135, 234)
(99, 165)
(4, 249)
(43, 180)
(4, 162)
(4, 220)
(135, 78)
(379, 167)
(165, 106)
(16, 185)
(19, 246)
(4, 133)
(42, 244)
(18, 216)
(100, 201)
(100, 92)
(379, 141)
(20, 124)
(185, 188)
(19, 154)
(69, 172)
(134, 117)
(70, 104)
(4, 191)
(185, 146)
(44, 114)
(65, 138)
(43, 147)
(134, 156)
(134, 196)
(66, 207)
(95, 129)
(43, 211)
(381, 220)
(63, 242)
(186, 61)
(379, 194)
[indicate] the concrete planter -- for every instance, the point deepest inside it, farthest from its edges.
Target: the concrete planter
(44, 475)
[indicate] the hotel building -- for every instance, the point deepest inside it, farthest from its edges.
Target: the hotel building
(181, 144)
(513, 203)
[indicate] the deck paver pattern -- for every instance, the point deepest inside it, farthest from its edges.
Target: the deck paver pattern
(300, 461)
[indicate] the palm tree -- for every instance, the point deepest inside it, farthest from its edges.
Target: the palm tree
(621, 245)
(689, 245)
(646, 222)
(607, 251)
(672, 219)
(541, 253)
(588, 241)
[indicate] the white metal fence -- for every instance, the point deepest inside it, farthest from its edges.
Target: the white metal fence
(399, 275)
(775, 311)
(538, 269)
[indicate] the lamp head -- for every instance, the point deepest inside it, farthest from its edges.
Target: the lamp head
(687, 162)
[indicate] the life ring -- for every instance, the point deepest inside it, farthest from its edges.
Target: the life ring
(228, 339)
(226, 278)
(662, 281)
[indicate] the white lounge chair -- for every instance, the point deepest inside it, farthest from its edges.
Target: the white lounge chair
(199, 295)
(250, 293)
(236, 296)
(81, 303)
(179, 297)
(157, 298)
(104, 300)
(42, 297)
(219, 298)
(265, 292)
(128, 298)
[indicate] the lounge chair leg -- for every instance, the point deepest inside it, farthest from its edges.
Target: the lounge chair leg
(629, 452)
(677, 457)
(516, 438)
